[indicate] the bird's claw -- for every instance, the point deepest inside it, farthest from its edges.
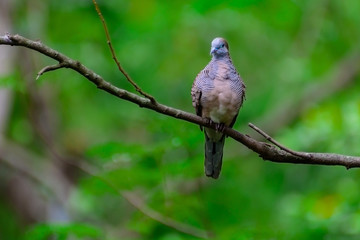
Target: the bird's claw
(220, 127)
(209, 121)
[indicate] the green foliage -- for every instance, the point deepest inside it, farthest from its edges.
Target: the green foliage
(281, 49)
(62, 232)
(11, 82)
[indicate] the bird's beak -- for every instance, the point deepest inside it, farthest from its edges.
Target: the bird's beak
(213, 50)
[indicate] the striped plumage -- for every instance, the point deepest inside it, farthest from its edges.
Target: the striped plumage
(217, 94)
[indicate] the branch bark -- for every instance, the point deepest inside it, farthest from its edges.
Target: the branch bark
(265, 150)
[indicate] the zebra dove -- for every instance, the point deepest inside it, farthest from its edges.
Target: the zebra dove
(217, 94)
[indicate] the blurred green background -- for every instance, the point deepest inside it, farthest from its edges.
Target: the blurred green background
(299, 59)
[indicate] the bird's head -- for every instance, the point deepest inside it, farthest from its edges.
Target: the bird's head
(219, 47)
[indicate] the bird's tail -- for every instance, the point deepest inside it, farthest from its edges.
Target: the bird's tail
(213, 156)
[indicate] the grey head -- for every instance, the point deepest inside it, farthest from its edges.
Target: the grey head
(219, 47)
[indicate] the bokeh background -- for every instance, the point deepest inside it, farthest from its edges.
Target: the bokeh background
(300, 60)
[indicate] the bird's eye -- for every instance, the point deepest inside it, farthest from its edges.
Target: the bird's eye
(222, 45)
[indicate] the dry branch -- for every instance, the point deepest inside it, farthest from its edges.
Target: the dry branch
(265, 151)
(48, 69)
(121, 69)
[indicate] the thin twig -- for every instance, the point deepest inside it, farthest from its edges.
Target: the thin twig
(20, 158)
(282, 147)
(50, 68)
(185, 228)
(135, 201)
(13, 159)
(35, 178)
(127, 76)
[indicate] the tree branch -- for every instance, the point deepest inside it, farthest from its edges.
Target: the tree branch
(265, 151)
(136, 202)
(185, 228)
(17, 158)
(49, 68)
(282, 147)
(122, 70)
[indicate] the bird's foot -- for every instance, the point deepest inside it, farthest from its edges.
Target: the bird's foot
(220, 127)
(209, 121)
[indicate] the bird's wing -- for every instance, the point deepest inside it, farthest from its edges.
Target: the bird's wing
(243, 88)
(200, 83)
(196, 96)
(240, 90)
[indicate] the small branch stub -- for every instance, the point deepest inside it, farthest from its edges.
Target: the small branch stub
(50, 68)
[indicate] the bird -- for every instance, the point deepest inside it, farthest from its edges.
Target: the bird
(217, 94)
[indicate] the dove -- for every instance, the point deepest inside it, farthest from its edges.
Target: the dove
(217, 94)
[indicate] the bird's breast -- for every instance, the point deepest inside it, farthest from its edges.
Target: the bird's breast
(221, 104)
